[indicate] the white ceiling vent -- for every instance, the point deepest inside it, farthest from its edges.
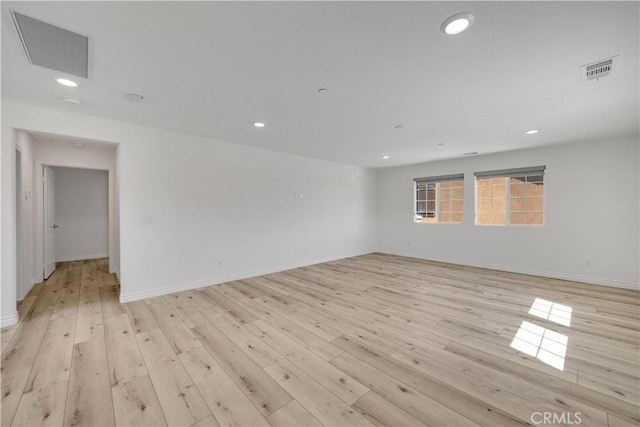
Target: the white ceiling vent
(597, 70)
(53, 47)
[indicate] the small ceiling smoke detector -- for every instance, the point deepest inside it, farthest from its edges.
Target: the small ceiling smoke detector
(67, 82)
(323, 90)
(78, 145)
(134, 97)
(532, 132)
(401, 127)
(455, 24)
(385, 157)
(259, 124)
(440, 144)
(71, 101)
(471, 153)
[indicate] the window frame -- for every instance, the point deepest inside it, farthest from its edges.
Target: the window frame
(435, 180)
(508, 174)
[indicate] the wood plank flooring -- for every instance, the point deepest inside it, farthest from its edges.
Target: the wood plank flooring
(370, 340)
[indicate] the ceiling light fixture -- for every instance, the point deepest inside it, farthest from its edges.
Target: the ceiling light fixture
(455, 24)
(532, 132)
(385, 157)
(259, 124)
(67, 82)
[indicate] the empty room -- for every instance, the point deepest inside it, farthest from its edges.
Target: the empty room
(320, 213)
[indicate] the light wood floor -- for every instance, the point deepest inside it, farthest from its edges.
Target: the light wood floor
(375, 339)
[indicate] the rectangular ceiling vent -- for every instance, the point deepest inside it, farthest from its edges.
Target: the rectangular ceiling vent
(53, 47)
(597, 70)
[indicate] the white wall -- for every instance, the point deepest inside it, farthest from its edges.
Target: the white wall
(81, 213)
(196, 211)
(591, 211)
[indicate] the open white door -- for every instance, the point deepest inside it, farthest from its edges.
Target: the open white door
(49, 222)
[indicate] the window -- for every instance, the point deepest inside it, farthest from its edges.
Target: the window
(510, 197)
(438, 199)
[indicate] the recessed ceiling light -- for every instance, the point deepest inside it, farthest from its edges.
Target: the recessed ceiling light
(78, 145)
(67, 82)
(401, 127)
(71, 101)
(259, 124)
(385, 157)
(532, 132)
(457, 23)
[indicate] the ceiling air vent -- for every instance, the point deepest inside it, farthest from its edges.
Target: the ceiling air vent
(53, 47)
(597, 70)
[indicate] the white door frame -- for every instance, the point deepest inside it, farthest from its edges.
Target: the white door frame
(49, 223)
(39, 214)
(19, 227)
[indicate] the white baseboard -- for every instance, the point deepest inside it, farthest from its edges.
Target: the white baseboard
(25, 290)
(81, 257)
(534, 272)
(134, 296)
(9, 320)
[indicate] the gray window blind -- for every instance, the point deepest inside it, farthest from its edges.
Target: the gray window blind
(533, 170)
(441, 178)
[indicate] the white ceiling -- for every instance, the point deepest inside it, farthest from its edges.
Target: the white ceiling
(214, 68)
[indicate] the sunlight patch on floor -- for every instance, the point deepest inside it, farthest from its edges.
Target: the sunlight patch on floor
(544, 344)
(552, 311)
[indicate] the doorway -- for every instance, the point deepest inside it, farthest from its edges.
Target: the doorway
(76, 215)
(55, 156)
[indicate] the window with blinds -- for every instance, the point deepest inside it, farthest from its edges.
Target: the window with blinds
(438, 199)
(510, 196)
